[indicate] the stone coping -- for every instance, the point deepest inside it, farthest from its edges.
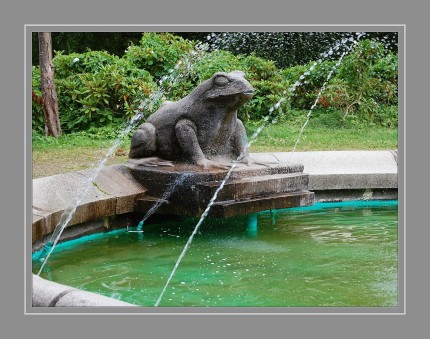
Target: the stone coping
(51, 294)
(343, 170)
(113, 192)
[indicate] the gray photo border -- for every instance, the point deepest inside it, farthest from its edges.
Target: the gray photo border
(413, 14)
(400, 309)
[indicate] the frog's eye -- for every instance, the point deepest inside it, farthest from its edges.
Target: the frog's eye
(221, 80)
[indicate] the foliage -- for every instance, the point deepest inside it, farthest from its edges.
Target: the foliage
(311, 77)
(366, 81)
(285, 48)
(77, 63)
(289, 49)
(96, 88)
(80, 42)
(158, 52)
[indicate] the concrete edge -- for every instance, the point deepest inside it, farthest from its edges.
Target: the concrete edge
(113, 192)
(51, 294)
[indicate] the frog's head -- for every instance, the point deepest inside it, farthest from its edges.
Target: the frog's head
(231, 88)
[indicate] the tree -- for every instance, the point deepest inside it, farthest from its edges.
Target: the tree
(49, 94)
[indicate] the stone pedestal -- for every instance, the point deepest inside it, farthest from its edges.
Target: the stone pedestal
(250, 189)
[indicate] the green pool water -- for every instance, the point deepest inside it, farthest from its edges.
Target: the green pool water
(337, 254)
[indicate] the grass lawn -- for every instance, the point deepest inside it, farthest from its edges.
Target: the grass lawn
(75, 152)
(281, 139)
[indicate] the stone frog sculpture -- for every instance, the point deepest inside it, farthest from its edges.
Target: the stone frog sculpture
(202, 128)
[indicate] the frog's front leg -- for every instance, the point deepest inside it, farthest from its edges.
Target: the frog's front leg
(186, 133)
(242, 146)
(241, 143)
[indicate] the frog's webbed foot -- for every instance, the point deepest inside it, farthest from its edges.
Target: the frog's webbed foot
(251, 161)
(206, 164)
(150, 162)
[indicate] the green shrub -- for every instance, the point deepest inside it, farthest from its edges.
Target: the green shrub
(311, 78)
(78, 63)
(288, 49)
(95, 89)
(158, 52)
(365, 82)
(386, 116)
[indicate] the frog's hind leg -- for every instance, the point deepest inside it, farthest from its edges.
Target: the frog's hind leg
(143, 143)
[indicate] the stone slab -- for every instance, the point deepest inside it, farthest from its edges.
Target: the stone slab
(356, 194)
(54, 195)
(165, 174)
(191, 196)
(247, 206)
(113, 192)
(117, 182)
(353, 181)
(58, 192)
(253, 186)
(230, 208)
(343, 170)
(337, 162)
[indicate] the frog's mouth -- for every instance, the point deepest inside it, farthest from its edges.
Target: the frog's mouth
(247, 95)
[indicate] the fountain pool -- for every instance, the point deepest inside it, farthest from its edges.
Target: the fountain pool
(330, 254)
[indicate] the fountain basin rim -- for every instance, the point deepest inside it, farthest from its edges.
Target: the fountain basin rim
(352, 175)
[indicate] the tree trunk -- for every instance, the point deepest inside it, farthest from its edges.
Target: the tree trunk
(49, 95)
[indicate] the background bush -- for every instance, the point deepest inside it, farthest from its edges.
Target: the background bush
(289, 49)
(365, 84)
(97, 89)
(158, 52)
